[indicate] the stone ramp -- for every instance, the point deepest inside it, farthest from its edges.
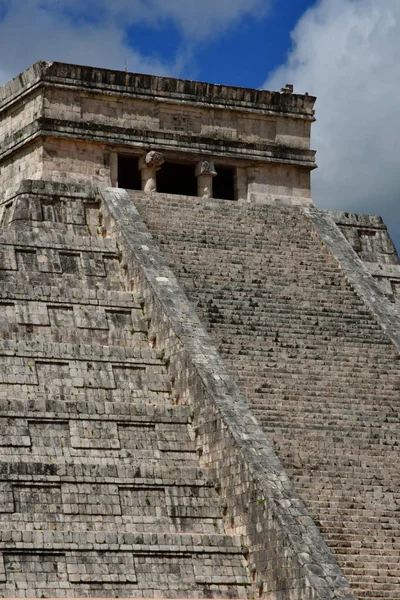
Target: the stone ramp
(103, 494)
(316, 367)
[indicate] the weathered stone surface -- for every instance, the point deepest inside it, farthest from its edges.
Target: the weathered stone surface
(131, 465)
(312, 344)
(369, 238)
(288, 556)
(101, 488)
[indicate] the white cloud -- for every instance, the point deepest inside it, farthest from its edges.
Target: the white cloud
(93, 32)
(29, 33)
(196, 19)
(201, 18)
(347, 53)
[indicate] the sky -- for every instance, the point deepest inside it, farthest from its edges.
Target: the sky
(345, 52)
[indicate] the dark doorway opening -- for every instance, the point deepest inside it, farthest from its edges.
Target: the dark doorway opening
(173, 178)
(128, 173)
(224, 183)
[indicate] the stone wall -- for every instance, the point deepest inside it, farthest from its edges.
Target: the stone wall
(206, 121)
(26, 163)
(102, 490)
(369, 238)
(18, 116)
(76, 161)
(268, 184)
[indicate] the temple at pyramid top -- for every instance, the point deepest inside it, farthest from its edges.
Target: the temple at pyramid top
(76, 124)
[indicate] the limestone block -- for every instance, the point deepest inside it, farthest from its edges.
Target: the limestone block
(101, 567)
(18, 371)
(49, 261)
(93, 264)
(94, 434)
(129, 320)
(90, 499)
(27, 260)
(232, 570)
(6, 214)
(165, 572)
(7, 314)
(35, 570)
(253, 129)
(293, 132)
(89, 317)
(3, 574)
(145, 502)
(71, 263)
(8, 260)
(193, 502)
(32, 313)
(129, 377)
(38, 499)
(173, 437)
(6, 501)
(50, 438)
(57, 374)
(141, 438)
(61, 316)
(157, 379)
(14, 432)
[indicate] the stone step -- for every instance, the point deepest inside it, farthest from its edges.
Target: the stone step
(311, 360)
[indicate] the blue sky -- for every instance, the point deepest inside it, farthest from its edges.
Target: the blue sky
(346, 52)
(242, 55)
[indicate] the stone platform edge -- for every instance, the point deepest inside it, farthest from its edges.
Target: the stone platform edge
(288, 558)
(356, 272)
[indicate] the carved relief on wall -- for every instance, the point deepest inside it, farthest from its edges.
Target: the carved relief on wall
(188, 121)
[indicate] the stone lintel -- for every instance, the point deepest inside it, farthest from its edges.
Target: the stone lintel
(135, 140)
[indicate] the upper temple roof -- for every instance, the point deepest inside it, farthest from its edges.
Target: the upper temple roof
(154, 86)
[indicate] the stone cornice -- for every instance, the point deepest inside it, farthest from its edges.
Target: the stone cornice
(152, 87)
(164, 140)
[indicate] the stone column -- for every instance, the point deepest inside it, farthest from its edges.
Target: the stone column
(205, 171)
(241, 183)
(149, 165)
(114, 169)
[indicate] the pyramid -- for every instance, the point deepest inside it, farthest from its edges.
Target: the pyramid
(199, 381)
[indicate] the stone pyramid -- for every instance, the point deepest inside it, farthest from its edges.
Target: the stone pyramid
(199, 395)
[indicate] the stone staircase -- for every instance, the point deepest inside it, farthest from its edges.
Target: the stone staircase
(102, 492)
(313, 363)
